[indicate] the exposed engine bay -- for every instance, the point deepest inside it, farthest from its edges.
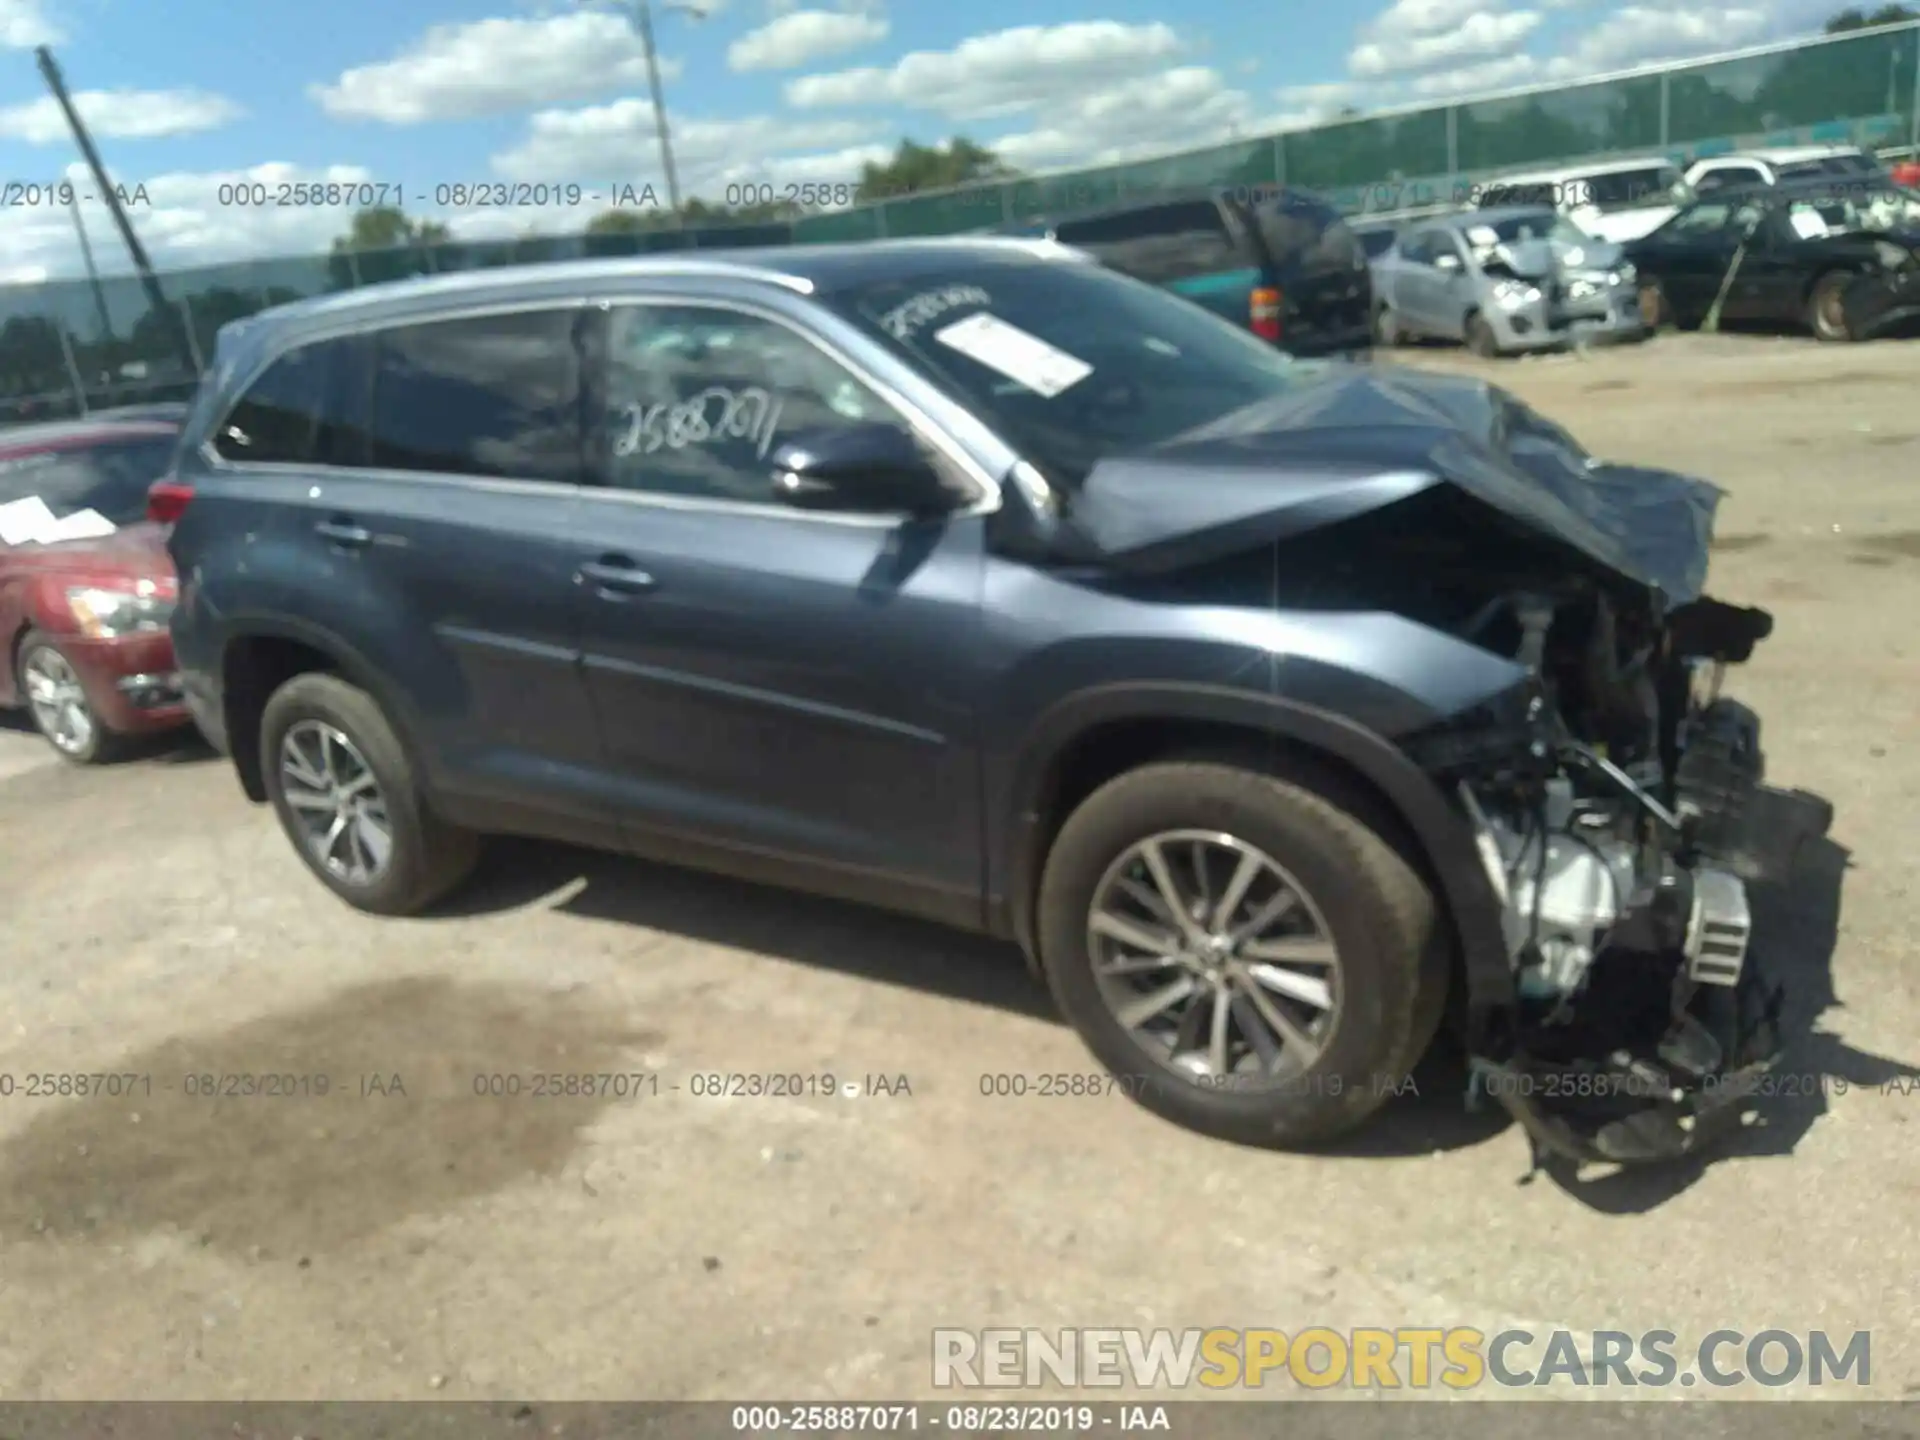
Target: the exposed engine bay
(1620, 814)
(1615, 797)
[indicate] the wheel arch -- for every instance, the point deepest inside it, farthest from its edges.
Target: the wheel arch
(261, 656)
(1850, 269)
(1091, 738)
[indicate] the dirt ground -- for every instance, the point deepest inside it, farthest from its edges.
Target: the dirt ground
(440, 1244)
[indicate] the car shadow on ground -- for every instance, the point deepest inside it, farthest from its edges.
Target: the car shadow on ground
(185, 746)
(1796, 928)
(1424, 1114)
(783, 925)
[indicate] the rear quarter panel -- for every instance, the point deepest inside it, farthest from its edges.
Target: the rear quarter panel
(249, 569)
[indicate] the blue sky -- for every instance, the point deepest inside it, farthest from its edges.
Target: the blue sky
(189, 94)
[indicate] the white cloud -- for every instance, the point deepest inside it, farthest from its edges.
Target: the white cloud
(1327, 98)
(493, 67)
(1423, 17)
(618, 139)
(1003, 73)
(1136, 119)
(1485, 32)
(1638, 34)
(23, 25)
(119, 115)
(181, 220)
(804, 36)
(1508, 70)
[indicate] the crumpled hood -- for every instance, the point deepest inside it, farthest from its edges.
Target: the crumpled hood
(1355, 439)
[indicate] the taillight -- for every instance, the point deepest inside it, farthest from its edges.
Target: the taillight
(1264, 313)
(167, 501)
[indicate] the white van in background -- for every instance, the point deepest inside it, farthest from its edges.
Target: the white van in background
(1770, 167)
(1617, 200)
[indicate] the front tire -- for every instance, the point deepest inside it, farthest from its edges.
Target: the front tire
(349, 798)
(1267, 1020)
(1480, 338)
(57, 701)
(1827, 307)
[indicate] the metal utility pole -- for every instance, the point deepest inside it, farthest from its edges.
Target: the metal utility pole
(640, 14)
(93, 273)
(50, 72)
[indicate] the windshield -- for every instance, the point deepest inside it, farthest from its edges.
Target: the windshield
(1851, 163)
(1882, 208)
(1376, 242)
(1561, 232)
(1629, 189)
(111, 478)
(1069, 361)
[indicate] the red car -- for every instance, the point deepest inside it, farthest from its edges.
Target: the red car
(84, 621)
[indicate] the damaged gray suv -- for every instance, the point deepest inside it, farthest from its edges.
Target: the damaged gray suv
(1278, 710)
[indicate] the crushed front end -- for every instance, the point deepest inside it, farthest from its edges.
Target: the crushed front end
(1620, 811)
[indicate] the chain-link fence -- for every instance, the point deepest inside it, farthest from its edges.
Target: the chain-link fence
(70, 345)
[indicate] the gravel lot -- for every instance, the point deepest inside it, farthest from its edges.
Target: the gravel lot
(437, 1244)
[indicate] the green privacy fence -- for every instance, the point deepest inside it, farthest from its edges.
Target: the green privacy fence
(68, 345)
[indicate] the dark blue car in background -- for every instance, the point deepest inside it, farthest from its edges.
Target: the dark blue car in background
(1280, 262)
(1272, 707)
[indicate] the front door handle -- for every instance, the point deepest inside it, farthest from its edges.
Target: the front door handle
(344, 533)
(614, 575)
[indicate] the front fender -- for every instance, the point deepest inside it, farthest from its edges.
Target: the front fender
(1439, 830)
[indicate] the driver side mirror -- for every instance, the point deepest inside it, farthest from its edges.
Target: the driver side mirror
(1447, 264)
(873, 468)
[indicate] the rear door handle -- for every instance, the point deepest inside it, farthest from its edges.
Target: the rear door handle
(616, 575)
(344, 533)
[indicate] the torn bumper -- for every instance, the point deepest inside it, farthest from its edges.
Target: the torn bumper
(1877, 305)
(1681, 1090)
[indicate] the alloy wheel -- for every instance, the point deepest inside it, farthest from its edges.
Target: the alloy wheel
(1833, 310)
(336, 802)
(1215, 960)
(58, 701)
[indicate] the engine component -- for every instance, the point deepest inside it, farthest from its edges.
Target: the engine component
(1562, 891)
(1719, 929)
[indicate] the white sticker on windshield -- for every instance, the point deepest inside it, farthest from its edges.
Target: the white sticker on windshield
(1808, 224)
(1025, 359)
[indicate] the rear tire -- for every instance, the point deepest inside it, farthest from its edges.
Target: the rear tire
(1388, 978)
(348, 744)
(1480, 337)
(1826, 307)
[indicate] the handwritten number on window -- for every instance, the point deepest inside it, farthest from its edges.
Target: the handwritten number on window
(714, 415)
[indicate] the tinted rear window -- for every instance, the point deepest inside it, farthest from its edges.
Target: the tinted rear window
(304, 408)
(1158, 243)
(489, 395)
(1299, 230)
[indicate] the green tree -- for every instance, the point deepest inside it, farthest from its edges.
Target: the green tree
(1856, 19)
(917, 168)
(380, 228)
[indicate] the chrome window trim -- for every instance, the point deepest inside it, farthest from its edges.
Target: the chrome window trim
(922, 423)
